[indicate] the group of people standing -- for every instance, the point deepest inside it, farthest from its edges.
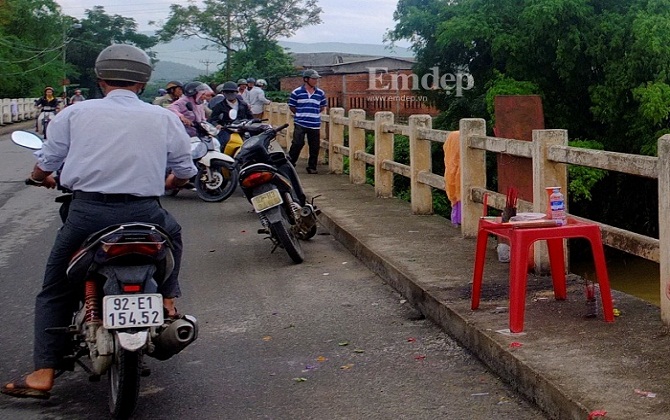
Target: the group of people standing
(247, 99)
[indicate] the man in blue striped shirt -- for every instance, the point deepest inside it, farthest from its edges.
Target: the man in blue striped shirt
(307, 103)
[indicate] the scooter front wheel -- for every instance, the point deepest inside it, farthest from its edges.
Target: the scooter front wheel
(219, 186)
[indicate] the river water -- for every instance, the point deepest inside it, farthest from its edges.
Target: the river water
(629, 274)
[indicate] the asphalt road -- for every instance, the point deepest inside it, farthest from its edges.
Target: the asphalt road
(326, 339)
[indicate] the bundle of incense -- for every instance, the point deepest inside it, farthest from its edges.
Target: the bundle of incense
(510, 204)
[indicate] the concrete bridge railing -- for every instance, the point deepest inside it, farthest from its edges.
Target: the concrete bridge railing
(549, 152)
(17, 109)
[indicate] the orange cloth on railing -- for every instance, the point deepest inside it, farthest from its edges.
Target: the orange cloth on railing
(452, 167)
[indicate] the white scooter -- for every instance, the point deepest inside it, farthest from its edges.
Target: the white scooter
(218, 174)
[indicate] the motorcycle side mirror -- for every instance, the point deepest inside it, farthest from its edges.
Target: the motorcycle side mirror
(232, 114)
(189, 106)
(27, 140)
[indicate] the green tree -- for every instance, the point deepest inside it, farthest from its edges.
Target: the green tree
(237, 26)
(97, 31)
(601, 67)
(30, 47)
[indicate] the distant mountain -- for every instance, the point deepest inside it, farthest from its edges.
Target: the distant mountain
(202, 55)
(165, 71)
(341, 47)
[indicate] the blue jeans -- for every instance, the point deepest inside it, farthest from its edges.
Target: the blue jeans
(58, 299)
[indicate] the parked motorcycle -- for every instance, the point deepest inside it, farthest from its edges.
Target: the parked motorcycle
(218, 174)
(120, 317)
(237, 132)
(270, 182)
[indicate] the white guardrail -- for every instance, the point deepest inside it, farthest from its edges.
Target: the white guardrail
(17, 109)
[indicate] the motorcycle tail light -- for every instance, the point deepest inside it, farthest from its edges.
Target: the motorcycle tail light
(257, 178)
(151, 249)
(132, 288)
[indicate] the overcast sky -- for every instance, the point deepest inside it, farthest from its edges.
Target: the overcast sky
(350, 21)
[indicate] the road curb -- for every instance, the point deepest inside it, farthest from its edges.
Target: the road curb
(548, 396)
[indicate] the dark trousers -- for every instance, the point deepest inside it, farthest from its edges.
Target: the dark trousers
(313, 142)
(58, 299)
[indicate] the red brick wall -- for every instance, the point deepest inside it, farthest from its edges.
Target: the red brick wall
(352, 91)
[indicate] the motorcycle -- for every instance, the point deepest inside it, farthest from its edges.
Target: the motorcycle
(271, 184)
(238, 131)
(218, 174)
(120, 315)
(43, 120)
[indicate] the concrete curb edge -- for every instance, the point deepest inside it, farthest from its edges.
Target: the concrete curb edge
(528, 382)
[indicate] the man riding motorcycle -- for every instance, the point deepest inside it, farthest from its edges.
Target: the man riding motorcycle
(106, 192)
(173, 91)
(221, 111)
(221, 115)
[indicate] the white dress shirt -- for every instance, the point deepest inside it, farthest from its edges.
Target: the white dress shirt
(116, 145)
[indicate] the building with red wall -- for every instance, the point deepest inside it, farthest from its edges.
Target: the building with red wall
(372, 83)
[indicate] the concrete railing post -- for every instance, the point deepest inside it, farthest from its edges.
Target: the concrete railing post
(383, 151)
(420, 161)
(356, 143)
(664, 224)
(473, 174)
(282, 113)
(547, 174)
(272, 114)
(335, 138)
(323, 136)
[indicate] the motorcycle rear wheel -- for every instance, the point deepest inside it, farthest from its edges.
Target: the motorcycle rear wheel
(283, 233)
(124, 383)
(223, 191)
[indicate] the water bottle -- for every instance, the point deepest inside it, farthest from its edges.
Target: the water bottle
(557, 205)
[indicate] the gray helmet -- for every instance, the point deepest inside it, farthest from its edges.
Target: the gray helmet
(311, 74)
(242, 82)
(251, 80)
(261, 83)
(123, 62)
(192, 88)
(228, 87)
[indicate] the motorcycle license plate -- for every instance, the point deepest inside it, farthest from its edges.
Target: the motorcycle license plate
(132, 311)
(267, 200)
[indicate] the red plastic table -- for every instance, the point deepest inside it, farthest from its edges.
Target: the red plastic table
(520, 238)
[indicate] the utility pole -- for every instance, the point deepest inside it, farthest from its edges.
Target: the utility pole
(228, 46)
(206, 63)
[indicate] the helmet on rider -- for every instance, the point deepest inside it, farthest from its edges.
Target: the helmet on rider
(173, 85)
(123, 62)
(229, 90)
(242, 82)
(251, 80)
(198, 91)
(261, 83)
(49, 88)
